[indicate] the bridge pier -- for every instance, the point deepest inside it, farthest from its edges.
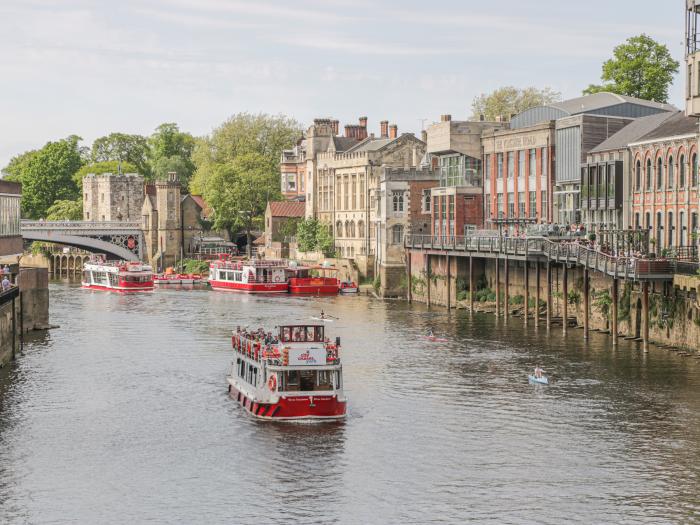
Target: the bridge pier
(537, 294)
(549, 295)
(615, 293)
(498, 286)
(586, 301)
(565, 293)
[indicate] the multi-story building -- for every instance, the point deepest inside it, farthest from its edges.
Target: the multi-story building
(112, 197)
(664, 182)
(161, 222)
(10, 234)
(455, 153)
(518, 167)
(293, 171)
(403, 202)
(606, 187)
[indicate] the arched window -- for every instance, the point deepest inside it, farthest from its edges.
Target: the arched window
(638, 176)
(659, 174)
(669, 176)
(681, 171)
(648, 175)
(398, 201)
(361, 229)
(694, 173)
(339, 229)
(397, 234)
(347, 229)
(352, 229)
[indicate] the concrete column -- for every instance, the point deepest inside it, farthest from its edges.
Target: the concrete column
(645, 316)
(565, 293)
(549, 294)
(498, 287)
(615, 293)
(471, 283)
(428, 275)
(537, 293)
(586, 303)
(526, 275)
(448, 283)
(506, 297)
(409, 291)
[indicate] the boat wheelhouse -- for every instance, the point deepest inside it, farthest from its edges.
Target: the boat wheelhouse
(120, 276)
(293, 375)
(312, 280)
(255, 276)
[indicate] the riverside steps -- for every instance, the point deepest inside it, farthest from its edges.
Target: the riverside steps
(629, 296)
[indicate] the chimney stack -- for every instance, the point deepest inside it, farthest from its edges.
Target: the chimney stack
(393, 131)
(334, 126)
(445, 118)
(362, 129)
(384, 128)
(349, 131)
(424, 136)
(363, 122)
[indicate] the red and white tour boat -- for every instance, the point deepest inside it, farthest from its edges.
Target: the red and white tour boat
(301, 280)
(293, 375)
(174, 279)
(119, 276)
(256, 276)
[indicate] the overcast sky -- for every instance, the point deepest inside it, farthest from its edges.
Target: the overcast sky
(93, 67)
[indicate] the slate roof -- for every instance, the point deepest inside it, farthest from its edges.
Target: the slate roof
(604, 99)
(343, 143)
(370, 144)
(287, 209)
(677, 125)
(633, 132)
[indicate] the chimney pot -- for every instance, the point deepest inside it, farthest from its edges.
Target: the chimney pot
(384, 129)
(424, 136)
(363, 122)
(445, 118)
(334, 126)
(393, 131)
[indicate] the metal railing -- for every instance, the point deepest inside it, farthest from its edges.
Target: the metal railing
(80, 225)
(9, 295)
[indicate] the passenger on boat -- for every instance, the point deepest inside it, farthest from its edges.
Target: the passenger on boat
(538, 372)
(430, 333)
(323, 315)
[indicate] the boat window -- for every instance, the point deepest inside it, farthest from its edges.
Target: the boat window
(310, 333)
(324, 380)
(319, 333)
(286, 331)
(307, 381)
(292, 380)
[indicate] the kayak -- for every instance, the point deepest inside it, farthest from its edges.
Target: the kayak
(538, 380)
(434, 339)
(320, 319)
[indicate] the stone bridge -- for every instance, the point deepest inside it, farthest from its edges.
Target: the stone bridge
(116, 239)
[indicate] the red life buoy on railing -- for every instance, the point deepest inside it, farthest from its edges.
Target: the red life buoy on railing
(272, 383)
(277, 279)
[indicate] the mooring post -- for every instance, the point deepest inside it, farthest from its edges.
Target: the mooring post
(429, 276)
(586, 302)
(408, 276)
(565, 306)
(506, 297)
(645, 316)
(615, 293)
(549, 295)
(537, 294)
(471, 283)
(498, 286)
(449, 283)
(527, 291)
(14, 327)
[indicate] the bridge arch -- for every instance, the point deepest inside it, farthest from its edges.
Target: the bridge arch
(86, 243)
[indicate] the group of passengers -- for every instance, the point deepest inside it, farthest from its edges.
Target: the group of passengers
(259, 336)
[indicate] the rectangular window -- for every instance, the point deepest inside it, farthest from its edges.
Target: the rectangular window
(511, 164)
(533, 162)
(545, 211)
(521, 204)
(533, 204)
(487, 205)
(499, 166)
(499, 204)
(521, 163)
(487, 169)
(544, 162)
(511, 205)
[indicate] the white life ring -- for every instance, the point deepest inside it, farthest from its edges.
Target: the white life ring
(277, 279)
(272, 383)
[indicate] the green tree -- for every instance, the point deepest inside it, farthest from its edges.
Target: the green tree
(325, 241)
(47, 175)
(238, 193)
(171, 150)
(99, 168)
(132, 149)
(641, 68)
(307, 231)
(509, 100)
(65, 210)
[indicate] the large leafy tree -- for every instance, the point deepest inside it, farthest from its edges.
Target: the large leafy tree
(171, 150)
(509, 100)
(238, 193)
(99, 168)
(122, 147)
(640, 67)
(47, 175)
(65, 210)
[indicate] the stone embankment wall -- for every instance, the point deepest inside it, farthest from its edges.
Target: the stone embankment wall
(674, 311)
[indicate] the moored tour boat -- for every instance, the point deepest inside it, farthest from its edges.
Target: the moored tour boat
(301, 280)
(119, 276)
(255, 276)
(294, 375)
(348, 287)
(173, 279)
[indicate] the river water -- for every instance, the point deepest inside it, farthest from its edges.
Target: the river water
(121, 415)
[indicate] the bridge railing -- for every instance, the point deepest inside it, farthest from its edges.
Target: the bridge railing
(80, 225)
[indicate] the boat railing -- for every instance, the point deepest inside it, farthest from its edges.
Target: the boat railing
(276, 353)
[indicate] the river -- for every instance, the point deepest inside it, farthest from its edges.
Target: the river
(121, 415)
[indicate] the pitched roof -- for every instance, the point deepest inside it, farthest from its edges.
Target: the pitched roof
(199, 200)
(675, 126)
(343, 143)
(604, 99)
(287, 209)
(633, 131)
(370, 144)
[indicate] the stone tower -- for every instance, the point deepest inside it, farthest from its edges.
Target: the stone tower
(112, 197)
(169, 220)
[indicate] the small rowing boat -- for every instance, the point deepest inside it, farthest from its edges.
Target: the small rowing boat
(534, 380)
(434, 339)
(322, 319)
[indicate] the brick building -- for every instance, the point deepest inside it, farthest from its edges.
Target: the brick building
(293, 171)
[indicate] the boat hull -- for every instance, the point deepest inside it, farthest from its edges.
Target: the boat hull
(322, 407)
(249, 287)
(313, 286)
(538, 380)
(143, 288)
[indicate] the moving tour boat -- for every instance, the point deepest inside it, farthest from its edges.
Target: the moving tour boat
(294, 375)
(256, 276)
(120, 276)
(301, 280)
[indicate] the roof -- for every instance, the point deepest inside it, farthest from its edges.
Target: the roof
(370, 144)
(675, 126)
(343, 143)
(632, 132)
(604, 99)
(287, 209)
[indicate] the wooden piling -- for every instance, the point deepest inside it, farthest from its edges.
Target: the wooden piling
(498, 286)
(448, 283)
(471, 283)
(527, 292)
(537, 294)
(645, 316)
(586, 302)
(615, 293)
(506, 297)
(409, 290)
(565, 305)
(549, 295)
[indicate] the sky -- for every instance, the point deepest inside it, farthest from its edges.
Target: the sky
(94, 67)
